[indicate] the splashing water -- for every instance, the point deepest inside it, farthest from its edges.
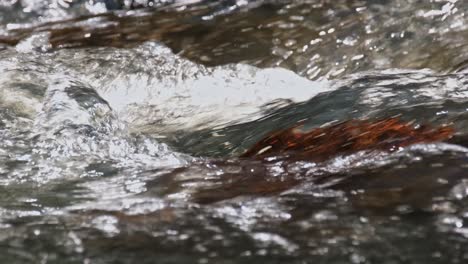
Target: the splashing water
(122, 123)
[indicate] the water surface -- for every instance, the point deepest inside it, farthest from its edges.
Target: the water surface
(122, 122)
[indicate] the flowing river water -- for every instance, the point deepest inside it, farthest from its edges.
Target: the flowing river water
(122, 123)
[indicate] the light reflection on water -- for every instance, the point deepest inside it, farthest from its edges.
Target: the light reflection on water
(117, 150)
(314, 38)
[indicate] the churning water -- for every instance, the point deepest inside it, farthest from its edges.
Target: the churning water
(121, 124)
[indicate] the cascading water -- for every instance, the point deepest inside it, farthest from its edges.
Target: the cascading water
(122, 124)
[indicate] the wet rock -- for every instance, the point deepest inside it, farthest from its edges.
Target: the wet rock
(344, 138)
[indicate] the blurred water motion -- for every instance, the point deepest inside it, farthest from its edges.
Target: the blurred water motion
(313, 38)
(122, 123)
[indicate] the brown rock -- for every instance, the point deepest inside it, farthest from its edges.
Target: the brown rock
(346, 137)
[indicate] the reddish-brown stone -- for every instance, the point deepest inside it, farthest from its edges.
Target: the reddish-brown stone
(346, 137)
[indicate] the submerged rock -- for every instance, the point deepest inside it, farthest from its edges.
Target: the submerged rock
(344, 138)
(326, 155)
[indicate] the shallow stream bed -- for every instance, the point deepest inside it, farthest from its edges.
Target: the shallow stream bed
(122, 123)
